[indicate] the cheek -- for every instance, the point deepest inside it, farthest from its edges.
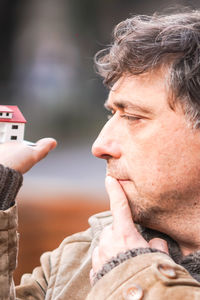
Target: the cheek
(159, 159)
(153, 160)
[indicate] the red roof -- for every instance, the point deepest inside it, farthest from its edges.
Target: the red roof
(4, 108)
(17, 116)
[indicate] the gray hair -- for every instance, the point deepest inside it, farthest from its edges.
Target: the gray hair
(145, 43)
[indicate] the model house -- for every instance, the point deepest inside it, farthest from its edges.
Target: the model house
(12, 124)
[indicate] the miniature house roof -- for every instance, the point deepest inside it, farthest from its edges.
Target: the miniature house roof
(17, 116)
(4, 108)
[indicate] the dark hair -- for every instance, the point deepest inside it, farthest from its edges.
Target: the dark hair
(144, 43)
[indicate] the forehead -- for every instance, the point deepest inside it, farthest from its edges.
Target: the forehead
(148, 90)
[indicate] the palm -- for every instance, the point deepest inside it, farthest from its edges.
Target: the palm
(21, 157)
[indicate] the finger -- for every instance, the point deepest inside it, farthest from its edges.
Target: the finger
(159, 244)
(106, 238)
(122, 218)
(47, 142)
(43, 146)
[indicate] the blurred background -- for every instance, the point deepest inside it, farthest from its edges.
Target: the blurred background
(46, 59)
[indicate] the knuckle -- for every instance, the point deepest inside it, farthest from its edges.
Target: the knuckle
(158, 241)
(159, 244)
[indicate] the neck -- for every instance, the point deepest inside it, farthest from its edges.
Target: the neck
(183, 228)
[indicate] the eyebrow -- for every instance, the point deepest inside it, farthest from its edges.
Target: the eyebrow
(125, 104)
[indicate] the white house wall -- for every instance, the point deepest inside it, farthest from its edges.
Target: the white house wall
(6, 132)
(2, 132)
(2, 127)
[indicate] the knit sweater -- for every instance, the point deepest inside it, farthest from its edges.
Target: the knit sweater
(10, 183)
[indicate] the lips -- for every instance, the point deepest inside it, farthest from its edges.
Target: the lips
(123, 181)
(120, 180)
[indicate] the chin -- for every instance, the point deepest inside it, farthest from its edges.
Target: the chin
(139, 215)
(143, 215)
(143, 211)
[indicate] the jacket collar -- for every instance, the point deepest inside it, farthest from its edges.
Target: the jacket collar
(190, 262)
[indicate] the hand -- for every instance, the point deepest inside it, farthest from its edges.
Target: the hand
(122, 235)
(22, 157)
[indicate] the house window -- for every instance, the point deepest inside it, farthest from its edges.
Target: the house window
(13, 137)
(14, 126)
(1, 114)
(7, 114)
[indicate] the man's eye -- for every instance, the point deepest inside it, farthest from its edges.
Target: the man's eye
(131, 118)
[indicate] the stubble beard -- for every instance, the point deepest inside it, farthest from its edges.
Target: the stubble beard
(145, 209)
(143, 215)
(151, 211)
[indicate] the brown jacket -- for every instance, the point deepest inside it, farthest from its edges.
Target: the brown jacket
(64, 272)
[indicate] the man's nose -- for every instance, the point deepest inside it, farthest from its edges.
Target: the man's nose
(107, 144)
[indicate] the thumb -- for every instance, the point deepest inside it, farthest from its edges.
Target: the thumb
(47, 143)
(159, 244)
(43, 146)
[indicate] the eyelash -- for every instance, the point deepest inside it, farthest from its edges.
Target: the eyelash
(127, 117)
(130, 118)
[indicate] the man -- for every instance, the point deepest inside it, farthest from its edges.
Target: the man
(151, 143)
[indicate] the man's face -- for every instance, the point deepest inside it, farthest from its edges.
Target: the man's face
(150, 148)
